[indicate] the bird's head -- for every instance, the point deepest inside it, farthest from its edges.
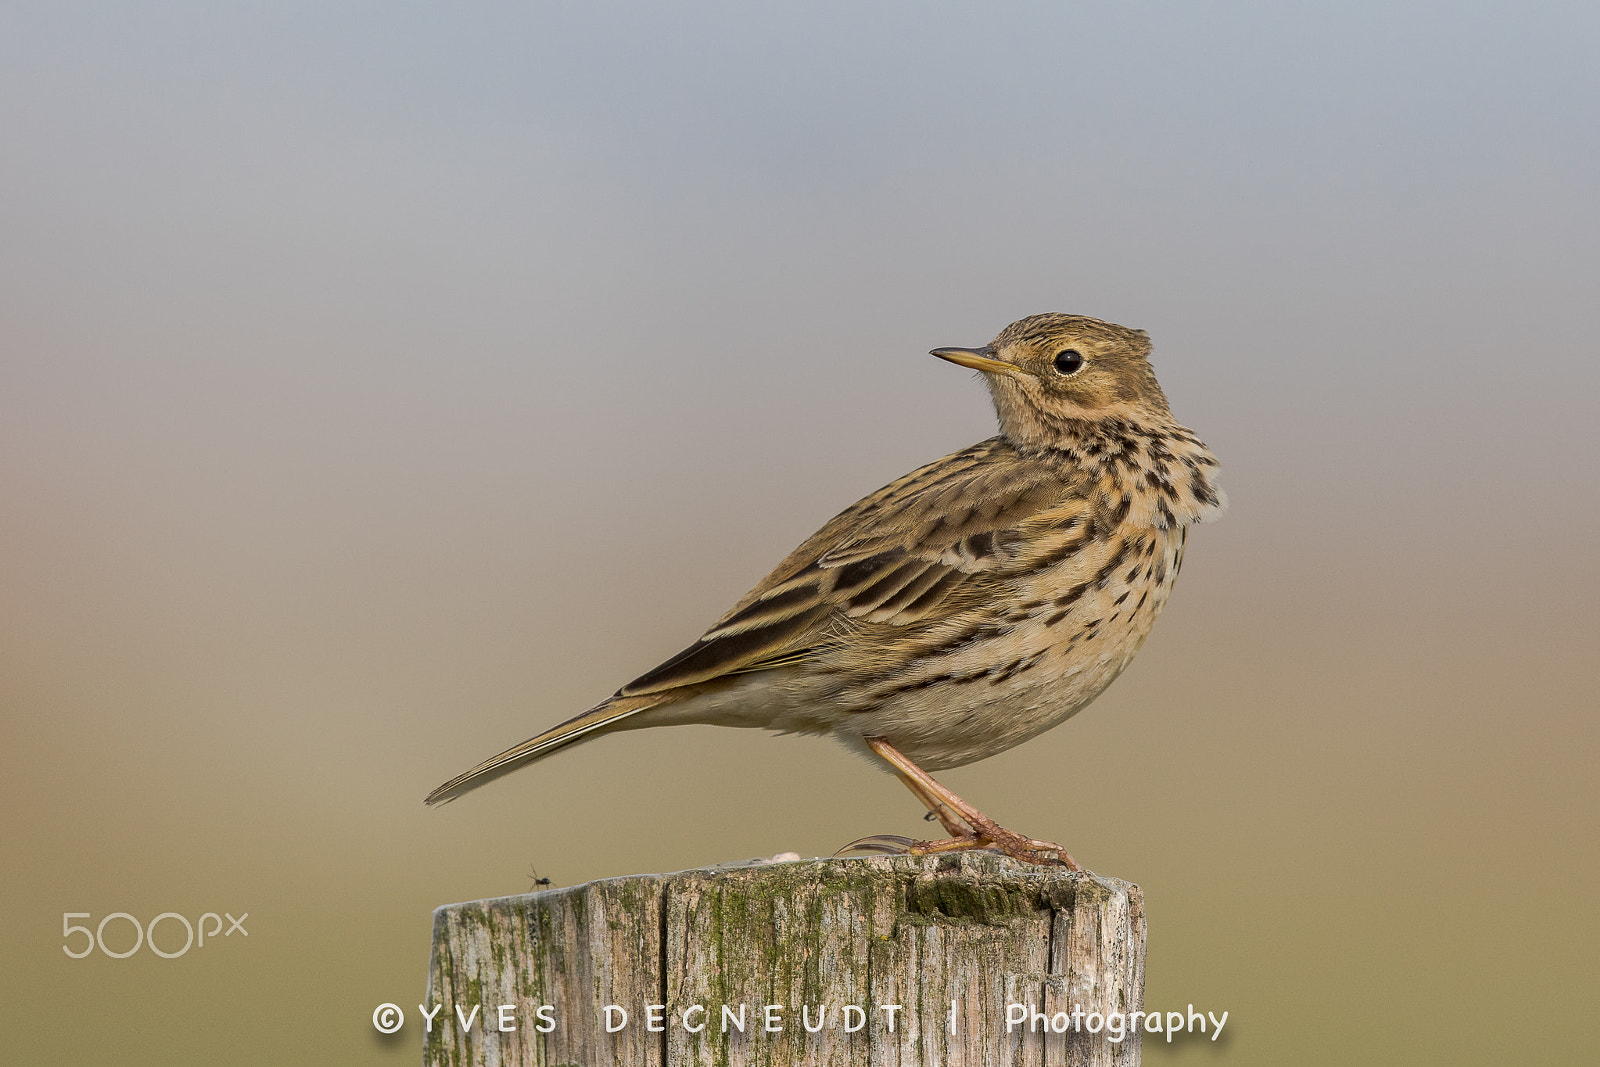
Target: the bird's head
(1049, 372)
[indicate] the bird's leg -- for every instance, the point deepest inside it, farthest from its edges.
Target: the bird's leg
(979, 831)
(937, 808)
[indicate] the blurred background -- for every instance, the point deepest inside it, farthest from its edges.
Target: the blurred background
(382, 383)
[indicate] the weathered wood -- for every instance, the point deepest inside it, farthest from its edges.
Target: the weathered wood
(811, 938)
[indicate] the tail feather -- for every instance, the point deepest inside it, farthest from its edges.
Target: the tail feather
(598, 720)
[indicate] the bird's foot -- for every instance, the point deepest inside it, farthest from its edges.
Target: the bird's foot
(998, 839)
(968, 827)
(991, 837)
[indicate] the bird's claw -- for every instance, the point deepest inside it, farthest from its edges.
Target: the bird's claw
(893, 844)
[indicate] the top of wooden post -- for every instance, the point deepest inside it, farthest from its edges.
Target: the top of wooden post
(884, 959)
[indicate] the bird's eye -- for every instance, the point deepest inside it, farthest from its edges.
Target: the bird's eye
(1069, 361)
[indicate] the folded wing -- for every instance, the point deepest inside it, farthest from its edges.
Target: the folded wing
(948, 530)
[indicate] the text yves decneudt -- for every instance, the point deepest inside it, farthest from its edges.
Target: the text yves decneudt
(775, 1018)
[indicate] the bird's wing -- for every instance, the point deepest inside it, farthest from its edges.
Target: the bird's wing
(952, 528)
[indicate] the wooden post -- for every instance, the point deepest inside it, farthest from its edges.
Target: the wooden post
(880, 960)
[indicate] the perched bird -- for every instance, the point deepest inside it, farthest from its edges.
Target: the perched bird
(968, 606)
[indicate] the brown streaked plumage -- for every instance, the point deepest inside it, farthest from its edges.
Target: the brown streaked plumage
(968, 606)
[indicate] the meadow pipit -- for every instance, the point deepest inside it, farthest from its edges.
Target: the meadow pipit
(972, 604)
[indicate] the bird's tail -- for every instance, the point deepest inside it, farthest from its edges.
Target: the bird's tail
(602, 719)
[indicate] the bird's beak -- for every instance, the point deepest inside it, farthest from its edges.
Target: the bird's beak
(976, 358)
